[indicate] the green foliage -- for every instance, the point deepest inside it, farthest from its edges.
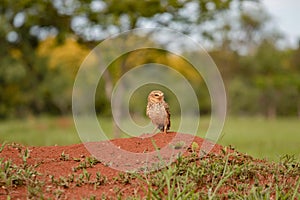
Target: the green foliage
(43, 46)
(241, 102)
(89, 162)
(264, 83)
(13, 175)
(237, 176)
(30, 84)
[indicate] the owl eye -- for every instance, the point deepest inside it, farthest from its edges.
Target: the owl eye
(156, 95)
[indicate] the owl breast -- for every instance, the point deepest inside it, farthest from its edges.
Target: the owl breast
(157, 114)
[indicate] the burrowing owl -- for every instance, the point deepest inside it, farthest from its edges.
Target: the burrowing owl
(158, 110)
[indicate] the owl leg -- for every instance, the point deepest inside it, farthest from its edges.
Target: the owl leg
(154, 130)
(165, 129)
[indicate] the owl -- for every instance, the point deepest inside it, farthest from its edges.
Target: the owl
(158, 111)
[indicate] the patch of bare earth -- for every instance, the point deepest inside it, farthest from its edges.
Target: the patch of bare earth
(72, 172)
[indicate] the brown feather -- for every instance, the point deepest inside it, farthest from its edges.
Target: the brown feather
(158, 110)
(168, 116)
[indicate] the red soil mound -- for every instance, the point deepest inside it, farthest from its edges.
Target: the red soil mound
(98, 169)
(54, 162)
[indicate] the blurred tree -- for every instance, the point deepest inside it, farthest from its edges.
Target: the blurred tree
(63, 63)
(11, 74)
(252, 30)
(113, 17)
(266, 73)
(294, 63)
(36, 76)
(244, 30)
(252, 66)
(227, 62)
(243, 97)
(24, 24)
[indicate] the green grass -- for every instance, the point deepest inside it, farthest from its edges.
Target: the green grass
(263, 138)
(228, 176)
(42, 131)
(253, 135)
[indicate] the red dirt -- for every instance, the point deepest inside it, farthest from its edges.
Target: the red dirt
(116, 156)
(50, 162)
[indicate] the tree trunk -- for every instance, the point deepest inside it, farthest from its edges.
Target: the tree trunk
(118, 110)
(298, 109)
(119, 113)
(271, 99)
(108, 84)
(108, 93)
(271, 111)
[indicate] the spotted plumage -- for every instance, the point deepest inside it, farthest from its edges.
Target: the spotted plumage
(158, 111)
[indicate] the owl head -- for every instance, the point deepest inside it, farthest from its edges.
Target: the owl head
(156, 96)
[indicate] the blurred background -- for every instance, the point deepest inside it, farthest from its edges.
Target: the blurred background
(254, 43)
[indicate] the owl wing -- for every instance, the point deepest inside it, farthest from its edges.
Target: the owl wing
(168, 121)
